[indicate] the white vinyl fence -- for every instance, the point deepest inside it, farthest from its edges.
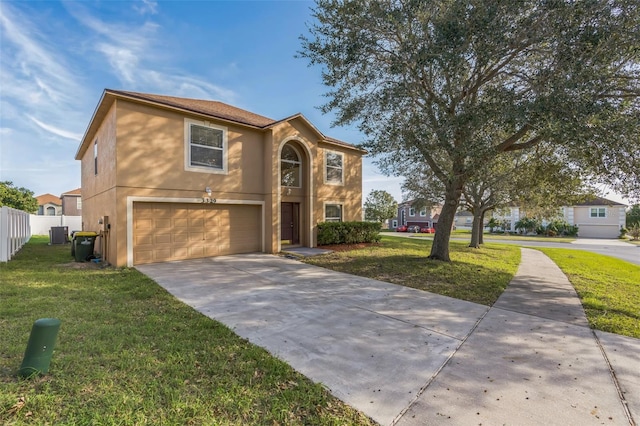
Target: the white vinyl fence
(14, 231)
(41, 225)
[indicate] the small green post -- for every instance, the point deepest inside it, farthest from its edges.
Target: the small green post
(37, 356)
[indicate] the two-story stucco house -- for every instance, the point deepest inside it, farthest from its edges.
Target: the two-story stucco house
(167, 178)
(409, 215)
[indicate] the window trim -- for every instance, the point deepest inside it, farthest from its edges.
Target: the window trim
(394, 223)
(95, 157)
(412, 212)
(188, 123)
(423, 213)
(333, 203)
(78, 203)
(299, 163)
(597, 211)
(326, 167)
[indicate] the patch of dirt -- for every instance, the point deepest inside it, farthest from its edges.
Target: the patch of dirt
(349, 247)
(81, 265)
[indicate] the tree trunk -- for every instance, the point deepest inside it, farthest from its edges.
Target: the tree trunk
(476, 228)
(440, 247)
(481, 234)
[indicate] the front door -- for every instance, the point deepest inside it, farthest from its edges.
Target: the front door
(289, 225)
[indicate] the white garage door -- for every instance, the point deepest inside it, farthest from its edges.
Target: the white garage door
(166, 231)
(598, 231)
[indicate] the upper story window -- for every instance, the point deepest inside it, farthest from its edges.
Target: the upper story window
(95, 157)
(290, 167)
(205, 147)
(78, 203)
(423, 213)
(598, 212)
(51, 211)
(412, 211)
(334, 164)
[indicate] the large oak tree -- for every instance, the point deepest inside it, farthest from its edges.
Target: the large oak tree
(453, 84)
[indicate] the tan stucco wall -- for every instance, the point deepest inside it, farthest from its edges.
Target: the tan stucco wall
(581, 215)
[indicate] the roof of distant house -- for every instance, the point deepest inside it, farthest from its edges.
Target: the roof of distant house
(599, 201)
(74, 192)
(48, 199)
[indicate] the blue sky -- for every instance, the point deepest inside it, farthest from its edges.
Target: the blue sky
(56, 58)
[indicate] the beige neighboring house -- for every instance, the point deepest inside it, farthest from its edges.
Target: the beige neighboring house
(49, 205)
(72, 203)
(597, 218)
(167, 178)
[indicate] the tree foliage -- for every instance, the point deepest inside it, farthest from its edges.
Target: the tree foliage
(17, 198)
(380, 206)
(455, 84)
(633, 216)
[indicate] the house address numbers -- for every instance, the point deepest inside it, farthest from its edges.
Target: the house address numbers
(207, 200)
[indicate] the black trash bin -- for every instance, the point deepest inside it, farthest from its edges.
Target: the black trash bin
(82, 246)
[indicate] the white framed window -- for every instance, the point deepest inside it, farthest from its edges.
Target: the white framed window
(394, 223)
(95, 157)
(598, 212)
(423, 213)
(333, 212)
(334, 162)
(78, 203)
(205, 147)
(290, 167)
(51, 211)
(412, 212)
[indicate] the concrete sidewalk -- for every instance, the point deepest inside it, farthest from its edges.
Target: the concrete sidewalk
(410, 357)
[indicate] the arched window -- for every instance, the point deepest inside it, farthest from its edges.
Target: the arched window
(51, 211)
(290, 167)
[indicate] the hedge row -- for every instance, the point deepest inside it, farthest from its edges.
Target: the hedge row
(348, 232)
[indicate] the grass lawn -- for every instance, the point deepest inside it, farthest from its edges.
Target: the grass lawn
(476, 275)
(609, 289)
(128, 353)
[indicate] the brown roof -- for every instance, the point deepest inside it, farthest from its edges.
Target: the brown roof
(48, 199)
(211, 108)
(208, 108)
(599, 201)
(74, 192)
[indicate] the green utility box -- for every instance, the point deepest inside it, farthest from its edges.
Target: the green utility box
(83, 244)
(39, 351)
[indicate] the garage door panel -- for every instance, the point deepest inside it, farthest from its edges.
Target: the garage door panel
(166, 231)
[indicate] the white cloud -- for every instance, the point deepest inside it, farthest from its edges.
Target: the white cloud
(32, 72)
(56, 131)
(147, 6)
(133, 51)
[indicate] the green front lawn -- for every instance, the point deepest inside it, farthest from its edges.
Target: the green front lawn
(476, 275)
(609, 288)
(128, 353)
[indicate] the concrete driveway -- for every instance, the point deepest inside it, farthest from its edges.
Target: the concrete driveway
(374, 345)
(409, 357)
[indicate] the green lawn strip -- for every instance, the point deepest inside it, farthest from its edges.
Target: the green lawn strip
(497, 237)
(476, 275)
(128, 353)
(609, 288)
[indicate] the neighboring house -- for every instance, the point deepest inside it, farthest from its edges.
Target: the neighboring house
(168, 178)
(597, 218)
(508, 217)
(463, 220)
(72, 203)
(49, 205)
(411, 216)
